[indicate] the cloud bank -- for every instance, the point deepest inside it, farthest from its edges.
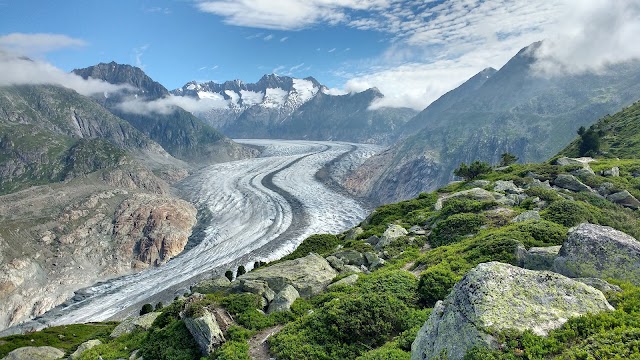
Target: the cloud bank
(36, 44)
(167, 105)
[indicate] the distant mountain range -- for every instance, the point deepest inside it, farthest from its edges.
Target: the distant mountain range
(291, 108)
(511, 110)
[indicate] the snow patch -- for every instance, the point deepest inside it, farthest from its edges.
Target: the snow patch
(233, 95)
(274, 98)
(210, 95)
(305, 89)
(250, 98)
(191, 87)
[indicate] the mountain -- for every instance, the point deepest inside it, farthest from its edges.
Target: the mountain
(513, 110)
(178, 132)
(291, 108)
(618, 135)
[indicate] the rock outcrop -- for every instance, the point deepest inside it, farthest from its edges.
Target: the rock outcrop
(392, 233)
(475, 194)
(84, 347)
(205, 331)
(495, 296)
(308, 275)
(211, 285)
(538, 258)
(283, 299)
(601, 252)
(625, 199)
(35, 353)
(570, 182)
(130, 324)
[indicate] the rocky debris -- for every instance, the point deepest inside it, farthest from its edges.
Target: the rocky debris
(211, 285)
(84, 347)
(526, 216)
(543, 184)
(258, 287)
(600, 252)
(538, 258)
(496, 297)
(479, 183)
(475, 194)
(566, 161)
(499, 216)
(136, 179)
(354, 261)
(613, 172)
(128, 325)
(351, 257)
(507, 187)
(599, 284)
(309, 275)
(155, 228)
(392, 233)
(353, 233)
(283, 299)
(348, 281)
(583, 173)
(624, 198)
(570, 182)
(417, 230)
(35, 353)
(606, 188)
(205, 331)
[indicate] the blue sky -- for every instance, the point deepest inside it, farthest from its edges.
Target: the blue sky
(412, 50)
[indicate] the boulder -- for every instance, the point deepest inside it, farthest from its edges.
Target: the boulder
(351, 257)
(625, 199)
(497, 297)
(584, 172)
(84, 347)
(475, 194)
(392, 233)
(349, 280)
(570, 182)
(507, 187)
(599, 284)
(613, 172)
(600, 252)
(542, 184)
(309, 275)
(353, 233)
(336, 263)
(130, 324)
(417, 230)
(205, 332)
(258, 287)
(540, 258)
(211, 285)
(479, 183)
(35, 353)
(606, 188)
(373, 240)
(284, 299)
(583, 161)
(526, 216)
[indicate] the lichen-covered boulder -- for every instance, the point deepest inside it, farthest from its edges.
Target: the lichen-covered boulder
(570, 182)
(495, 297)
(526, 216)
(205, 331)
(475, 194)
(210, 286)
(309, 275)
(601, 252)
(351, 257)
(284, 299)
(392, 233)
(599, 284)
(84, 347)
(625, 199)
(254, 286)
(507, 187)
(540, 258)
(130, 324)
(35, 353)
(353, 233)
(348, 281)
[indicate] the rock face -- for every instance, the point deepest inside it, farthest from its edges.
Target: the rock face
(601, 252)
(499, 296)
(155, 228)
(283, 299)
(205, 331)
(309, 275)
(84, 347)
(129, 325)
(35, 353)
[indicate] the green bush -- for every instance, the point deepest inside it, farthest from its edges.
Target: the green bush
(387, 214)
(459, 205)
(455, 227)
(232, 350)
(543, 193)
(397, 283)
(436, 283)
(320, 244)
(173, 342)
(568, 213)
(472, 171)
(386, 353)
(146, 308)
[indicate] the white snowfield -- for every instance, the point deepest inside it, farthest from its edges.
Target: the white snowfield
(261, 209)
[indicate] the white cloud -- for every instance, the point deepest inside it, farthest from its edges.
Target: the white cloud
(37, 44)
(284, 39)
(169, 104)
(268, 37)
(138, 53)
(331, 50)
(18, 70)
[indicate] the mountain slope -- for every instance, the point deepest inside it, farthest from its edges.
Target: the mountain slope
(290, 108)
(515, 110)
(179, 132)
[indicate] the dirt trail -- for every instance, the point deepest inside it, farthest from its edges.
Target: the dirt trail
(258, 347)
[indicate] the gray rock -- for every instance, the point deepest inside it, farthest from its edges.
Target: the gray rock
(526, 216)
(377, 264)
(506, 200)
(606, 188)
(475, 194)
(309, 275)
(336, 263)
(258, 287)
(479, 183)
(137, 322)
(353, 233)
(349, 280)
(543, 184)
(570, 182)
(35, 353)
(613, 172)
(211, 285)
(417, 230)
(507, 187)
(497, 297)
(584, 172)
(205, 332)
(372, 240)
(599, 284)
(371, 257)
(600, 252)
(540, 258)
(625, 199)
(351, 257)
(392, 233)
(84, 347)
(284, 299)
(565, 161)
(134, 355)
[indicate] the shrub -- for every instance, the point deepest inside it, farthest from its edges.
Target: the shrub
(397, 283)
(455, 227)
(173, 342)
(232, 350)
(436, 283)
(568, 213)
(386, 353)
(146, 308)
(472, 171)
(543, 193)
(320, 244)
(459, 205)
(159, 306)
(229, 275)
(507, 159)
(241, 270)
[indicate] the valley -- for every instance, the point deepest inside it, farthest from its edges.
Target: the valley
(260, 209)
